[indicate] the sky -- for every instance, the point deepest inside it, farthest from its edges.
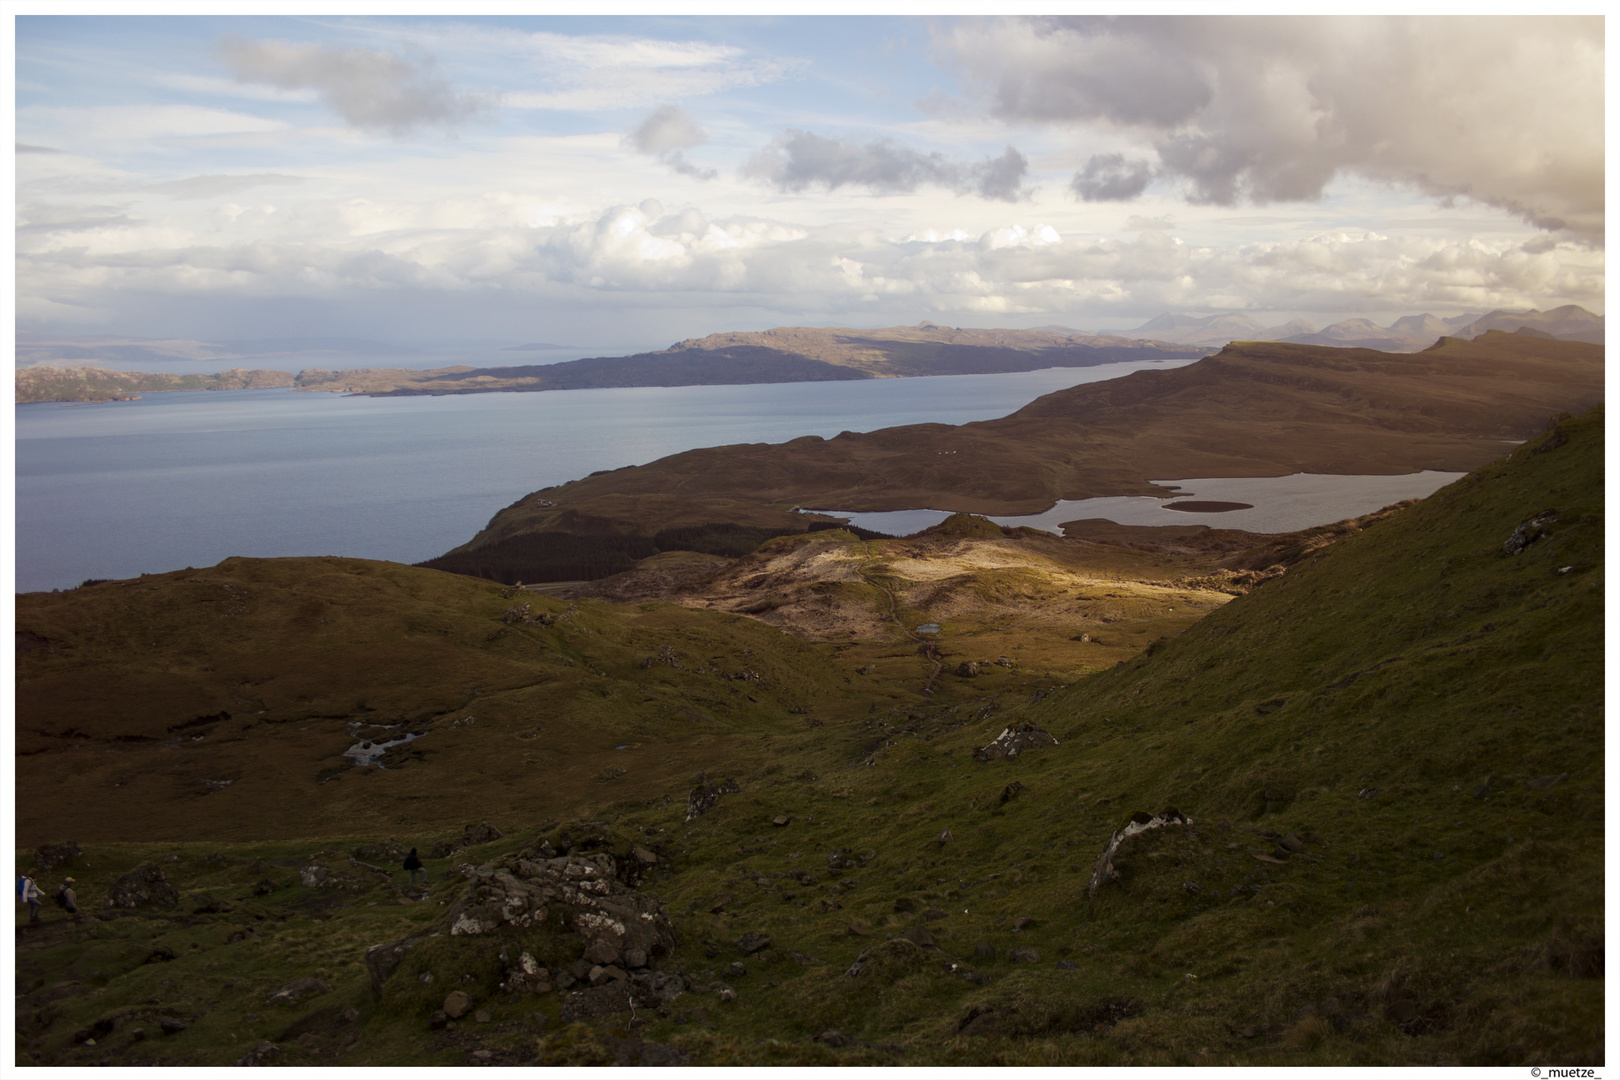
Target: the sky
(607, 184)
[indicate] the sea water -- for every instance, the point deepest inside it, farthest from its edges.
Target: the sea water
(116, 489)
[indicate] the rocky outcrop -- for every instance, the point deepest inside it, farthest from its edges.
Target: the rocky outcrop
(471, 836)
(706, 794)
(1140, 822)
(1014, 741)
(516, 893)
(145, 885)
(50, 856)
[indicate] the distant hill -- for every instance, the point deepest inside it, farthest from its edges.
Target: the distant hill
(1410, 333)
(784, 355)
(41, 384)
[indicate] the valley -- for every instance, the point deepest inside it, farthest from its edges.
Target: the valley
(1380, 740)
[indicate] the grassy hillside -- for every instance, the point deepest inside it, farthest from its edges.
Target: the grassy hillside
(1390, 760)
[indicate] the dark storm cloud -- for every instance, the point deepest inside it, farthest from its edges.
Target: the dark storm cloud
(1110, 178)
(368, 88)
(799, 160)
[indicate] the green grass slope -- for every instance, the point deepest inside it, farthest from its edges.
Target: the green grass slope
(1391, 759)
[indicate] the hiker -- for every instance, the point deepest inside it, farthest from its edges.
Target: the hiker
(29, 894)
(414, 865)
(65, 898)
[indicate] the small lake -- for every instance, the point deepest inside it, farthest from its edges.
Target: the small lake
(116, 489)
(1270, 504)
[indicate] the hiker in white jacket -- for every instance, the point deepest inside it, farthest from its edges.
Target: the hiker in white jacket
(30, 895)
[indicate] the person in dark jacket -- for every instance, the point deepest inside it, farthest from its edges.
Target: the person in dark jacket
(414, 865)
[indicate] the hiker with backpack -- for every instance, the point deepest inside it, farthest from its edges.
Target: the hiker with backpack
(66, 900)
(28, 893)
(414, 865)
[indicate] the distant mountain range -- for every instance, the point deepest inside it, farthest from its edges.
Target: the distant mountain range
(1410, 333)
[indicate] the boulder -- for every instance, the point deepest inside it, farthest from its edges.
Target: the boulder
(753, 942)
(967, 669)
(144, 885)
(457, 1004)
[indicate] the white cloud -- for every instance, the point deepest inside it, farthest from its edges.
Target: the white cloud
(1508, 111)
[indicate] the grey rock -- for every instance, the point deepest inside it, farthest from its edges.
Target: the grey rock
(754, 942)
(1024, 956)
(457, 1004)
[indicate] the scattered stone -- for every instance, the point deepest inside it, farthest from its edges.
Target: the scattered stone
(298, 990)
(313, 877)
(457, 1004)
(720, 903)
(262, 1054)
(438, 1021)
(1140, 822)
(643, 856)
(1023, 956)
(780, 819)
(905, 905)
(944, 838)
(835, 1039)
(265, 887)
(171, 1026)
(144, 885)
(1011, 792)
(918, 936)
(635, 958)
(482, 1016)
(1013, 741)
(753, 942)
(1191, 887)
(1293, 844)
(50, 856)
(726, 994)
(706, 794)
(967, 669)
(736, 970)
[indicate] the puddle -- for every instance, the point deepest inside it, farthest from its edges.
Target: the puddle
(370, 751)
